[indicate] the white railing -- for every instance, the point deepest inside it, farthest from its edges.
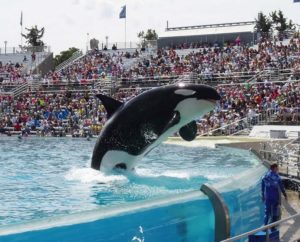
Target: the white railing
(3, 93)
(237, 126)
(23, 50)
(19, 90)
(221, 79)
(35, 85)
(256, 83)
(263, 228)
(285, 161)
(76, 55)
(245, 77)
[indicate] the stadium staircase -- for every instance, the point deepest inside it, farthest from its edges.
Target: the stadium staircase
(240, 127)
(31, 86)
(16, 92)
(243, 127)
(76, 56)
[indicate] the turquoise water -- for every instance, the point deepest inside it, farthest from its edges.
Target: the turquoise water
(43, 177)
(178, 218)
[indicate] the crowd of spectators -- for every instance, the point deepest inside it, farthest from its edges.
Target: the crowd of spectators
(245, 104)
(93, 66)
(206, 62)
(52, 114)
(79, 113)
(11, 73)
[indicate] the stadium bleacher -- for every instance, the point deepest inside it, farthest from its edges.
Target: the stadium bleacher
(253, 81)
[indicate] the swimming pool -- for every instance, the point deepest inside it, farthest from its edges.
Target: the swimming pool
(47, 177)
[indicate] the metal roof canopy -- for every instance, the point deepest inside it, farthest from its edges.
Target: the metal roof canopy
(209, 29)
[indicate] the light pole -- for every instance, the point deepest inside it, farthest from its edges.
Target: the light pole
(87, 41)
(106, 43)
(5, 45)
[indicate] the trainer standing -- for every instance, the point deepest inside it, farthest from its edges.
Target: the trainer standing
(271, 188)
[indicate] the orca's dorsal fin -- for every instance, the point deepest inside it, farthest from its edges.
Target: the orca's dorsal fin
(111, 105)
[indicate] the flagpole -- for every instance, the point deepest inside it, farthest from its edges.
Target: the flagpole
(21, 35)
(125, 29)
(21, 23)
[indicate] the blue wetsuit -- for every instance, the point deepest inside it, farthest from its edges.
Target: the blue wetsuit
(271, 188)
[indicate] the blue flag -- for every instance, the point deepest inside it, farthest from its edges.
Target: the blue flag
(123, 12)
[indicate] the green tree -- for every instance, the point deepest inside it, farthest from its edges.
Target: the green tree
(147, 38)
(64, 55)
(263, 25)
(281, 24)
(149, 35)
(34, 36)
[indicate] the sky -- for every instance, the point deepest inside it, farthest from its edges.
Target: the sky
(69, 23)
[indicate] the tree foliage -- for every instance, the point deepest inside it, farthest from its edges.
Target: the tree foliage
(34, 35)
(280, 22)
(148, 36)
(64, 55)
(275, 21)
(263, 24)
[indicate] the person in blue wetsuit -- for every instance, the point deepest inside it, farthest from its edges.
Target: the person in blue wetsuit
(271, 188)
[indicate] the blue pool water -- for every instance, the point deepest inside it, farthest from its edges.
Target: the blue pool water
(49, 193)
(44, 177)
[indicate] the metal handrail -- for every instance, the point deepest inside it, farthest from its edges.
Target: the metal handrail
(254, 83)
(19, 90)
(266, 227)
(277, 153)
(75, 56)
(291, 142)
(230, 124)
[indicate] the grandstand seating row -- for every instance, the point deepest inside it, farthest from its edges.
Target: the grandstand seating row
(65, 100)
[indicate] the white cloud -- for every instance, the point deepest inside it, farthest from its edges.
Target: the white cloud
(106, 9)
(90, 4)
(68, 19)
(75, 2)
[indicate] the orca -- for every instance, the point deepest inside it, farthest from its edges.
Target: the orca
(135, 127)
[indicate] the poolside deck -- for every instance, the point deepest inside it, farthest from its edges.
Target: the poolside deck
(212, 141)
(290, 230)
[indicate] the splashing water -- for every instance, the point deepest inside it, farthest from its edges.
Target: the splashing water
(140, 236)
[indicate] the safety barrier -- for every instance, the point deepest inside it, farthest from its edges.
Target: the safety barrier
(263, 228)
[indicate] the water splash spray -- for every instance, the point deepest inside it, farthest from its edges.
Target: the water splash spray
(140, 236)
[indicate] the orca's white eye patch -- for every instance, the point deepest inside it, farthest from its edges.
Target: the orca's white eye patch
(185, 92)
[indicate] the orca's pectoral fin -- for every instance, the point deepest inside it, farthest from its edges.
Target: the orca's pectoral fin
(110, 104)
(175, 119)
(189, 131)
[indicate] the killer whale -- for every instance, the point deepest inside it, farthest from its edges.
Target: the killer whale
(134, 128)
